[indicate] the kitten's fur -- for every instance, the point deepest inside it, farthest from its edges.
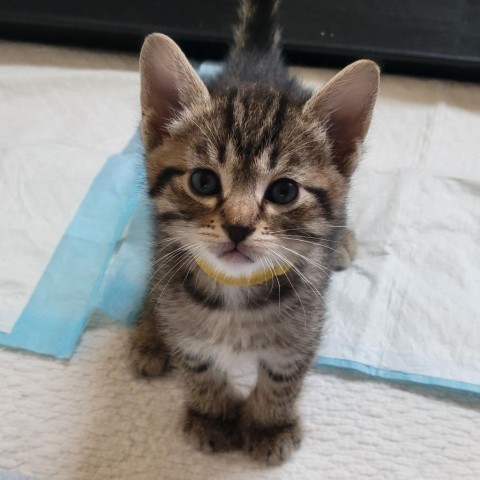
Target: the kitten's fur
(251, 125)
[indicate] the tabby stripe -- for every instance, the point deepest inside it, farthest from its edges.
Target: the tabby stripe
(277, 128)
(220, 202)
(229, 112)
(267, 137)
(284, 391)
(201, 298)
(198, 368)
(262, 301)
(168, 217)
(162, 180)
(197, 413)
(221, 152)
(268, 432)
(253, 303)
(201, 149)
(194, 363)
(323, 199)
(286, 291)
(280, 377)
(299, 231)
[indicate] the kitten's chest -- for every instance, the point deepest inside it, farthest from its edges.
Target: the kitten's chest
(240, 331)
(234, 321)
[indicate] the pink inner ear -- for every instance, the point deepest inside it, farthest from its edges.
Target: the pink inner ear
(346, 104)
(349, 123)
(163, 101)
(159, 96)
(169, 84)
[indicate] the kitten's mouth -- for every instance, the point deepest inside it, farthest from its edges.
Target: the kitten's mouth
(235, 256)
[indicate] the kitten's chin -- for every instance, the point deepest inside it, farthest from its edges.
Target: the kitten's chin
(235, 257)
(232, 263)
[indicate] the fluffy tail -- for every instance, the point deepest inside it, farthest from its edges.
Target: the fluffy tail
(258, 28)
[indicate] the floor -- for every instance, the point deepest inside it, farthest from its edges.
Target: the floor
(92, 418)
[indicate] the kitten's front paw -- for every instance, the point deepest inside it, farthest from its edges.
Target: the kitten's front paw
(212, 434)
(150, 357)
(150, 362)
(272, 445)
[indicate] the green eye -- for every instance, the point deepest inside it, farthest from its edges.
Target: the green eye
(205, 182)
(282, 191)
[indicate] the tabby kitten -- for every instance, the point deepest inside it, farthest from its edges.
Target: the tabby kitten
(249, 176)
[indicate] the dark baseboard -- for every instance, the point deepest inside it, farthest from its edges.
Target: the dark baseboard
(439, 38)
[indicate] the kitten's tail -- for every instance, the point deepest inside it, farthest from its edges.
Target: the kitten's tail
(258, 28)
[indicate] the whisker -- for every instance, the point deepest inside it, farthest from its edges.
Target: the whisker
(186, 261)
(207, 234)
(171, 276)
(308, 260)
(267, 267)
(159, 263)
(190, 268)
(195, 246)
(292, 237)
(308, 282)
(168, 241)
(297, 229)
(163, 260)
(169, 254)
(291, 284)
(312, 243)
(272, 267)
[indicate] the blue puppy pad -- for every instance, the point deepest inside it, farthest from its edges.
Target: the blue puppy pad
(73, 282)
(15, 475)
(122, 291)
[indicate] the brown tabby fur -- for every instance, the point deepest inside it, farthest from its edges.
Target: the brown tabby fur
(251, 126)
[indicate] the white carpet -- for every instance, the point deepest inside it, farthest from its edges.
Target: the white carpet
(91, 418)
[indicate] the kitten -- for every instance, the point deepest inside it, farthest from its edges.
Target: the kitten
(249, 176)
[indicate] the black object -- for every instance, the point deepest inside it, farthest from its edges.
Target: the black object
(422, 37)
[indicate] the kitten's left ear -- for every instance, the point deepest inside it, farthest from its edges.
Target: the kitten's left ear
(169, 85)
(345, 106)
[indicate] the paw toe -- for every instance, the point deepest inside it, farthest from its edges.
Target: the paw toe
(150, 362)
(273, 446)
(211, 435)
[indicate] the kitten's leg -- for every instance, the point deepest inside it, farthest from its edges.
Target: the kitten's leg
(345, 251)
(213, 407)
(270, 425)
(149, 352)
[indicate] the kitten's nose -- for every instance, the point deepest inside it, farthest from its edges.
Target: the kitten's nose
(237, 233)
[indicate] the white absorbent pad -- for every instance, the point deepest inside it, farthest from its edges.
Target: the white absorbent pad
(409, 307)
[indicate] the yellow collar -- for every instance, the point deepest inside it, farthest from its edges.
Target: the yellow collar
(244, 280)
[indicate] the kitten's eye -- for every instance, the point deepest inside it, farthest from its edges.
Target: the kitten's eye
(282, 191)
(205, 182)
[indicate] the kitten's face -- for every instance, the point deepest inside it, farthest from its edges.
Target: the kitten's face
(249, 179)
(254, 186)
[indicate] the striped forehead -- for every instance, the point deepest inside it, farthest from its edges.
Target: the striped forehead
(242, 125)
(253, 122)
(254, 130)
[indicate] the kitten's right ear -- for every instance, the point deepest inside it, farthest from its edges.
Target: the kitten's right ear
(169, 84)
